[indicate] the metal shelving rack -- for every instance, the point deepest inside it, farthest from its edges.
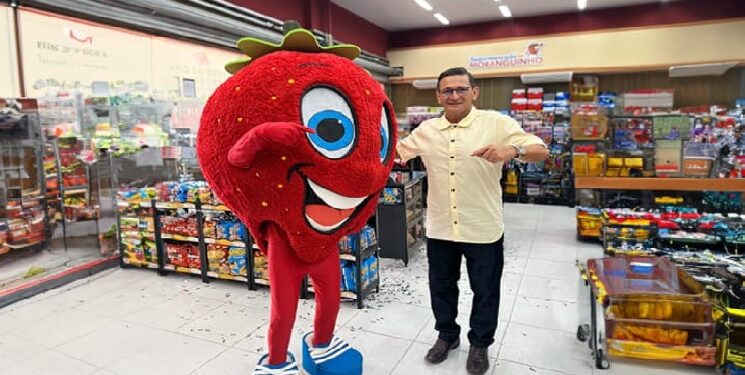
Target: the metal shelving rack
(16, 183)
(393, 221)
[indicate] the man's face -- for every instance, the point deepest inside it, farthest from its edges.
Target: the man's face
(455, 94)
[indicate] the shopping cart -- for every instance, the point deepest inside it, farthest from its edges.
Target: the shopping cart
(646, 308)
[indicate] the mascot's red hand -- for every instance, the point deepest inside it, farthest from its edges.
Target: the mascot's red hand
(264, 137)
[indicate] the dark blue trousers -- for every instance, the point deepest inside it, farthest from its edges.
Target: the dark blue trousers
(484, 263)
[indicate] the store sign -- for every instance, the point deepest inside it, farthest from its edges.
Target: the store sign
(188, 70)
(61, 54)
(531, 56)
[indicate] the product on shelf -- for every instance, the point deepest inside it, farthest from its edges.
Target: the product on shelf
(183, 226)
(184, 255)
(261, 266)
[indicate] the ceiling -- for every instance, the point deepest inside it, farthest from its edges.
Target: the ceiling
(394, 15)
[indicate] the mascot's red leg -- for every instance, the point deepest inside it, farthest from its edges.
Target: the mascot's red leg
(326, 276)
(286, 273)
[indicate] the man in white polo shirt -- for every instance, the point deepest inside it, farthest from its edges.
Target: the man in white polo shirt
(464, 151)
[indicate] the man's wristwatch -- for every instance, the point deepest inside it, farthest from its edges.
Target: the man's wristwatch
(520, 151)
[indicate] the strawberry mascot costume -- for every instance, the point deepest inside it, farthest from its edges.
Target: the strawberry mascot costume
(299, 143)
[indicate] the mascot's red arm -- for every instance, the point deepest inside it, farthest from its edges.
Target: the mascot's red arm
(263, 138)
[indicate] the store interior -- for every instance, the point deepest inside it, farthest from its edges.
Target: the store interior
(631, 230)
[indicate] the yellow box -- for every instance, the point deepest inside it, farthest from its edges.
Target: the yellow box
(615, 162)
(595, 165)
(634, 162)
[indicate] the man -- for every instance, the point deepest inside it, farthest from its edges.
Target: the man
(464, 151)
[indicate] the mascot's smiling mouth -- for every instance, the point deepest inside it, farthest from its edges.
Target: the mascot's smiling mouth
(326, 211)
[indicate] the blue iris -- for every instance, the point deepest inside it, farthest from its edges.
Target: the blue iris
(384, 139)
(334, 131)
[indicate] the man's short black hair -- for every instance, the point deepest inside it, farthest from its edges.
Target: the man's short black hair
(459, 71)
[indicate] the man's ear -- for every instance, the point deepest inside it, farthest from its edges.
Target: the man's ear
(437, 96)
(476, 92)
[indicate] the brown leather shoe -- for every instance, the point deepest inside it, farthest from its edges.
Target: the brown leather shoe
(439, 351)
(478, 361)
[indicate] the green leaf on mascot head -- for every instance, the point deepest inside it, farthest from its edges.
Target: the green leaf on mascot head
(297, 39)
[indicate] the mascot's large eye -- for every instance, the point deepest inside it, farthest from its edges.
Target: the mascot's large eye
(385, 135)
(328, 113)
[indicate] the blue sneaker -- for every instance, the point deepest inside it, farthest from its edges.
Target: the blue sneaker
(337, 358)
(287, 368)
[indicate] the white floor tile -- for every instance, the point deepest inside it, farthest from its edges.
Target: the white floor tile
(229, 362)
(16, 349)
(552, 269)
(557, 315)
(174, 313)
(227, 324)
(398, 320)
(505, 367)
(515, 264)
(124, 301)
(23, 314)
(585, 253)
(380, 353)
(76, 323)
(511, 283)
(429, 335)
(125, 348)
(50, 362)
(414, 362)
(547, 349)
(554, 289)
(554, 252)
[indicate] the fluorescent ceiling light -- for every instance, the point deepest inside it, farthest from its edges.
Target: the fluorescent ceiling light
(442, 19)
(424, 4)
(497, 1)
(505, 11)
(581, 4)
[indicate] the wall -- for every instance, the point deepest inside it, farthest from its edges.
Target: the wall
(602, 51)
(328, 17)
(689, 91)
(8, 60)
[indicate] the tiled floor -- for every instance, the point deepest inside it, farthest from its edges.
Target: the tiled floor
(135, 322)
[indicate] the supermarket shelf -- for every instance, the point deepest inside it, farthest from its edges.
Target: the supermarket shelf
(76, 191)
(169, 205)
(124, 204)
(23, 245)
(177, 237)
(223, 276)
(365, 292)
(140, 263)
(138, 234)
(348, 257)
(656, 183)
(171, 267)
(224, 242)
(215, 208)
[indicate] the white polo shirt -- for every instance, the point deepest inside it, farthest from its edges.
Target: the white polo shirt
(464, 200)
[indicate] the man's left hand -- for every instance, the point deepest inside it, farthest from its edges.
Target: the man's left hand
(496, 153)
